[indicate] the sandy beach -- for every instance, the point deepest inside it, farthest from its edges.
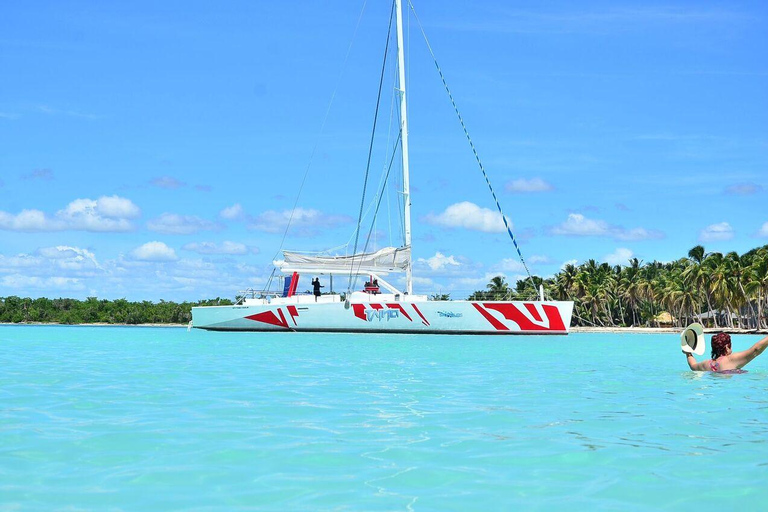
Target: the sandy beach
(672, 330)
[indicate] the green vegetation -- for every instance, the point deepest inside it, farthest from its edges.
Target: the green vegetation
(92, 310)
(728, 290)
(721, 290)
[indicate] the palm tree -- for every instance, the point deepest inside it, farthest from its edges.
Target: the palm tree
(757, 283)
(629, 286)
(635, 294)
(695, 277)
(498, 288)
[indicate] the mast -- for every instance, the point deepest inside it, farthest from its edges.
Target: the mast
(404, 141)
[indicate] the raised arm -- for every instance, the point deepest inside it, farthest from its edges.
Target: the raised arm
(745, 356)
(694, 365)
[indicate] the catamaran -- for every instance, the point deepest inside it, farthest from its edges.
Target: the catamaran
(379, 306)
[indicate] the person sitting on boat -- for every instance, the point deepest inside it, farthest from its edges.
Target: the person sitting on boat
(372, 287)
(316, 287)
(723, 358)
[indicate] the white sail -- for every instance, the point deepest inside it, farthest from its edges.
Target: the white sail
(388, 259)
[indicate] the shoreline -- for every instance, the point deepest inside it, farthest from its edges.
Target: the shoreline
(578, 329)
(671, 330)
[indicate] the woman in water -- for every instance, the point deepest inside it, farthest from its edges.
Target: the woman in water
(723, 359)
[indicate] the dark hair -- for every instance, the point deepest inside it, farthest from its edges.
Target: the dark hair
(721, 342)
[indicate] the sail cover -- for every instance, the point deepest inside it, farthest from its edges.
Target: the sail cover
(389, 259)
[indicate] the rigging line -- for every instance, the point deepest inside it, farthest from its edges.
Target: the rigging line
(389, 139)
(471, 144)
(378, 204)
(269, 281)
(384, 166)
(370, 146)
(389, 215)
(383, 188)
(386, 189)
(399, 186)
(322, 128)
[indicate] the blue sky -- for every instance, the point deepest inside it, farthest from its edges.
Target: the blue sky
(153, 150)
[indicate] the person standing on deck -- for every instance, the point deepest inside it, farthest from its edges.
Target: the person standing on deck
(723, 358)
(316, 287)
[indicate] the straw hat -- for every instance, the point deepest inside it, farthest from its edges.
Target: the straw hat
(692, 339)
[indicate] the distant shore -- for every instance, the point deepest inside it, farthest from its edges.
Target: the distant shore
(579, 329)
(672, 330)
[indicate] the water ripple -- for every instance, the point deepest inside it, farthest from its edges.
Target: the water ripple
(157, 419)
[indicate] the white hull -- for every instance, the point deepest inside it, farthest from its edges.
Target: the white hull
(427, 317)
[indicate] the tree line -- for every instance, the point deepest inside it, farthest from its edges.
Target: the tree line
(92, 310)
(719, 290)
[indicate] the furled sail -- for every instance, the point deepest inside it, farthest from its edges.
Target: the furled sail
(389, 259)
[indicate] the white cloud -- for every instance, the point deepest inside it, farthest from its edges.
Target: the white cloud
(716, 232)
(117, 207)
(523, 185)
(544, 260)
(304, 221)
(636, 234)
(568, 262)
(423, 282)
(470, 284)
(234, 212)
(106, 214)
(154, 251)
(18, 281)
(510, 265)
(578, 225)
(469, 216)
(226, 247)
(53, 261)
(27, 263)
(440, 261)
(73, 258)
(28, 220)
(174, 224)
(72, 271)
(620, 256)
(763, 230)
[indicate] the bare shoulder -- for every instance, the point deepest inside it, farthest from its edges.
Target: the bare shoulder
(702, 366)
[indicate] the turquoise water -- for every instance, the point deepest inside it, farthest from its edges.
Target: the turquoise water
(163, 419)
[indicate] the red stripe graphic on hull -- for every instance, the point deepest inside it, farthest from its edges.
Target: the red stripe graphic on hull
(423, 320)
(400, 308)
(269, 317)
(294, 313)
(359, 310)
(553, 322)
(498, 325)
(532, 310)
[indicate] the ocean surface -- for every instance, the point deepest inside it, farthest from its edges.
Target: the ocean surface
(132, 418)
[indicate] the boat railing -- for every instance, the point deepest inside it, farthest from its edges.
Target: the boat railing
(252, 293)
